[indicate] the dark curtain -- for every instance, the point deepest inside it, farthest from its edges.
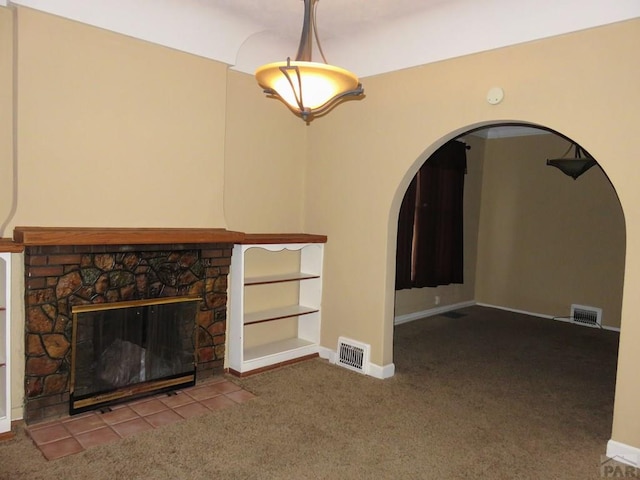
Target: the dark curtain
(430, 224)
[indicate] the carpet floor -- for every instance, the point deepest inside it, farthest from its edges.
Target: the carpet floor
(489, 394)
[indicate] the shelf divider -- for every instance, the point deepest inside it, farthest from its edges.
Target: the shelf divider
(277, 314)
(285, 277)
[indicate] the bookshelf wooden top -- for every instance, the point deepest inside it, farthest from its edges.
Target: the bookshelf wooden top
(274, 238)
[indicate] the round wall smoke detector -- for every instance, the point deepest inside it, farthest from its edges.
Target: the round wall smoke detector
(495, 95)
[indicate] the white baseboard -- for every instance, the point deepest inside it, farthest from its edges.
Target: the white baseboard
(386, 371)
(373, 370)
(623, 453)
(613, 329)
(540, 315)
(327, 354)
(410, 317)
(524, 312)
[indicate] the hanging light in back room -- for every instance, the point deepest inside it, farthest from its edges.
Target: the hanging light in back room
(576, 166)
(308, 88)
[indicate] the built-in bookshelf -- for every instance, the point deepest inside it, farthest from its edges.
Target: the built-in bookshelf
(275, 301)
(5, 342)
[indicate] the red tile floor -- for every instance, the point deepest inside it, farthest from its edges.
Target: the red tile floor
(71, 435)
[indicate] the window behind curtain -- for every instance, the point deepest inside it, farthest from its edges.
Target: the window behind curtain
(430, 223)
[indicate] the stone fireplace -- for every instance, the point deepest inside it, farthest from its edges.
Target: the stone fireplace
(67, 268)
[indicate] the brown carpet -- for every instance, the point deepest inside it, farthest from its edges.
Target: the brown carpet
(490, 395)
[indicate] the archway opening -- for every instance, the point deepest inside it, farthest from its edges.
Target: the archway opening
(536, 244)
(535, 240)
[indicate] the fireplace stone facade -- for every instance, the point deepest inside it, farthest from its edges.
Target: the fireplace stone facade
(59, 277)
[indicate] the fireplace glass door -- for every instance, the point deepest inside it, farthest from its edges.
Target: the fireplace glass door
(126, 350)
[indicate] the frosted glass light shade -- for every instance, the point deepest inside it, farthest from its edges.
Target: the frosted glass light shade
(320, 83)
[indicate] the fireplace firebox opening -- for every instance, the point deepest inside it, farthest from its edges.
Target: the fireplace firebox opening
(125, 350)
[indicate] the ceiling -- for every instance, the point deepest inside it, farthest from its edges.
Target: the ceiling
(368, 37)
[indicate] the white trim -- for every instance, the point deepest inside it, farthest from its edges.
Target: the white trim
(327, 354)
(623, 453)
(410, 317)
(382, 372)
(5, 345)
(541, 315)
(507, 131)
(524, 312)
(613, 329)
(373, 370)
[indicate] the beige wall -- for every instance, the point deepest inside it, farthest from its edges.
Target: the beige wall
(417, 300)
(264, 161)
(6, 114)
(547, 241)
(114, 131)
(364, 154)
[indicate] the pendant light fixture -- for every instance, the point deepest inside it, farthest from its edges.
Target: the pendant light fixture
(573, 167)
(308, 88)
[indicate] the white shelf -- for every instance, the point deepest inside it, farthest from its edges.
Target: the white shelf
(286, 277)
(4, 407)
(5, 339)
(3, 332)
(276, 348)
(266, 348)
(277, 314)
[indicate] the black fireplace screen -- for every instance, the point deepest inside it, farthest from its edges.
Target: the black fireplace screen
(129, 349)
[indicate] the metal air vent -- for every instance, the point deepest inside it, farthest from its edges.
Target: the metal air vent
(589, 316)
(353, 355)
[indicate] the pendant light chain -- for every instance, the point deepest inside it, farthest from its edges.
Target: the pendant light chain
(315, 32)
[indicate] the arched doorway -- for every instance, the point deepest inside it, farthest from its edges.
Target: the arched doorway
(538, 242)
(525, 220)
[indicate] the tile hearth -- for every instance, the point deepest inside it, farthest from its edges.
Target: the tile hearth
(71, 435)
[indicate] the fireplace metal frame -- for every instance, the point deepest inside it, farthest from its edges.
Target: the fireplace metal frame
(83, 403)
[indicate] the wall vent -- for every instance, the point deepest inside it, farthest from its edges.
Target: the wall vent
(588, 316)
(353, 355)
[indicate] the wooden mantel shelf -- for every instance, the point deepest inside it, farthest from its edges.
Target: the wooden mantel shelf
(39, 236)
(9, 246)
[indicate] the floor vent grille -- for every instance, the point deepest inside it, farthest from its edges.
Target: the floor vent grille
(588, 316)
(353, 355)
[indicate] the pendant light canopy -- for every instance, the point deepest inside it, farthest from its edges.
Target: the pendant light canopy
(308, 88)
(573, 167)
